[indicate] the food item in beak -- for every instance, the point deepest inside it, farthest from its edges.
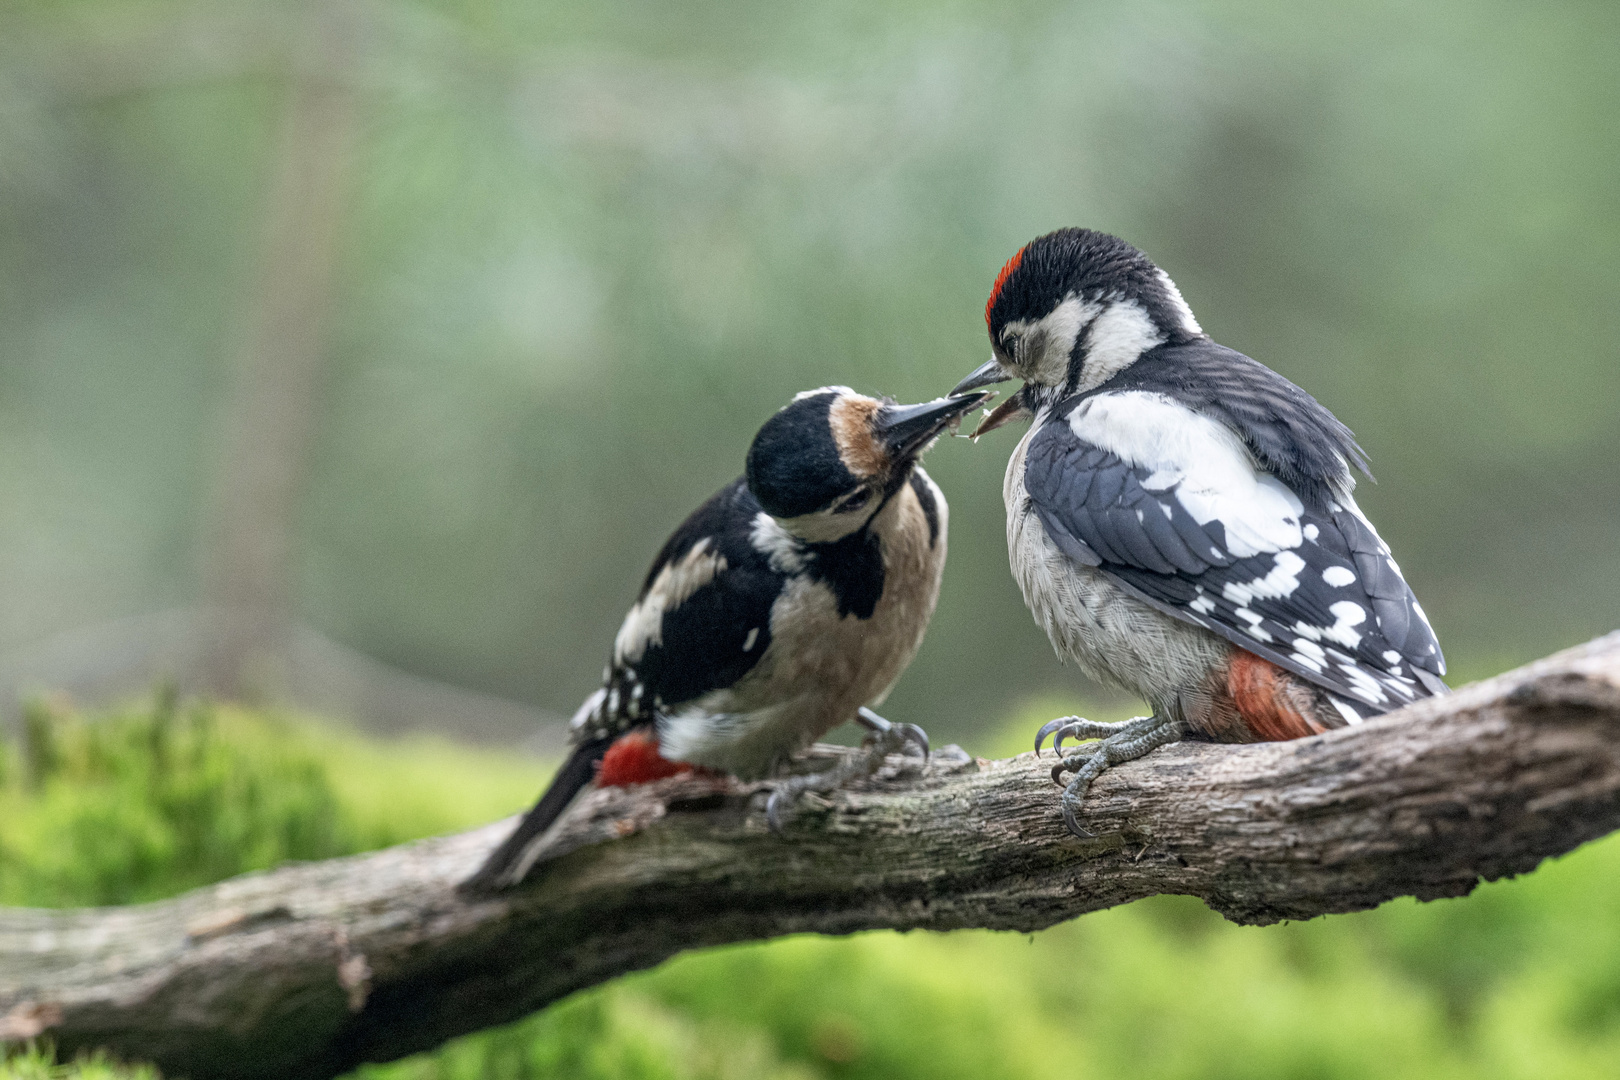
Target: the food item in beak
(1008, 411)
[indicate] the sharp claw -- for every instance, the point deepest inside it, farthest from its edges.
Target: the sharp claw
(1064, 732)
(1058, 770)
(1047, 729)
(913, 733)
(1074, 823)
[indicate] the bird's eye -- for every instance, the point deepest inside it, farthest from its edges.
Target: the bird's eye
(1010, 342)
(854, 502)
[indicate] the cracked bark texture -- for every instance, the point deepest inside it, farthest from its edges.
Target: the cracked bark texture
(308, 970)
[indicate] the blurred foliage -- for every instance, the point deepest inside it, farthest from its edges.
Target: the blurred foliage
(1520, 980)
(140, 802)
(588, 247)
(37, 1062)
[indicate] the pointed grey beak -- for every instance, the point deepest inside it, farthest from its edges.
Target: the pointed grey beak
(986, 374)
(906, 429)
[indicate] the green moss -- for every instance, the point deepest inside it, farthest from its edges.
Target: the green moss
(35, 1062)
(144, 802)
(1518, 980)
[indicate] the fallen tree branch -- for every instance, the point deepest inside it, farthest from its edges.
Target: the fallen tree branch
(308, 970)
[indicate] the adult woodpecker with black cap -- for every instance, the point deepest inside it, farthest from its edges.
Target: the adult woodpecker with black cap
(1180, 519)
(786, 605)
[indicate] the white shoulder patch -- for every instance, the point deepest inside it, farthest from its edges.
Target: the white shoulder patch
(675, 582)
(1202, 460)
(777, 544)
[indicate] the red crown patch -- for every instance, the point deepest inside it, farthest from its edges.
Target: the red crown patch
(1001, 279)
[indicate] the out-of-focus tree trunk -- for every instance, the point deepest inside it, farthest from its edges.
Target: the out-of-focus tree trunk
(269, 418)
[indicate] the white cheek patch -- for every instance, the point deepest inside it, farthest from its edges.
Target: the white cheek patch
(1052, 338)
(644, 626)
(826, 527)
(1120, 334)
(1212, 474)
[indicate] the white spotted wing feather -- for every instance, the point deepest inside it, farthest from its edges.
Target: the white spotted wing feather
(1170, 504)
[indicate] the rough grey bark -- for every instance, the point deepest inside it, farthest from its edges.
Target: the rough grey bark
(308, 970)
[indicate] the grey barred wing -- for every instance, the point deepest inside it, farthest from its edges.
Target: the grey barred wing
(1310, 588)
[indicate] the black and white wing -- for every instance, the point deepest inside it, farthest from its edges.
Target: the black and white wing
(701, 622)
(1168, 503)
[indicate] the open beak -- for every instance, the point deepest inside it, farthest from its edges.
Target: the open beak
(904, 430)
(986, 374)
(1011, 409)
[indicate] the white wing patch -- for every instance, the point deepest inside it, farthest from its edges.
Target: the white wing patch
(1338, 576)
(1203, 460)
(1233, 549)
(676, 581)
(1281, 581)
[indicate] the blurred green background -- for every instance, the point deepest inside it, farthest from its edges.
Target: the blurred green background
(359, 356)
(417, 326)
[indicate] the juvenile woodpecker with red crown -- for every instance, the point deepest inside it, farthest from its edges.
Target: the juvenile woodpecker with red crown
(786, 605)
(1180, 519)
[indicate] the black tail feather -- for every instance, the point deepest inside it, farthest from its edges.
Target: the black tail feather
(504, 868)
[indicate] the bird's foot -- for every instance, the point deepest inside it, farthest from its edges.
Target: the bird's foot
(883, 738)
(1074, 727)
(1118, 743)
(886, 738)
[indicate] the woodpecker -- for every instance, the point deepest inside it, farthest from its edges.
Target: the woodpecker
(787, 604)
(1180, 519)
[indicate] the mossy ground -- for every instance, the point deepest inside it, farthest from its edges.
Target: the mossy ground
(1520, 980)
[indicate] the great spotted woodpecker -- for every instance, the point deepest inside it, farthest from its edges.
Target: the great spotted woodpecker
(787, 604)
(1180, 519)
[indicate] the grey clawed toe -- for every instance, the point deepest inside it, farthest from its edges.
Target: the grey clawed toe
(891, 738)
(1074, 727)
(1121, 742)
(883, 738)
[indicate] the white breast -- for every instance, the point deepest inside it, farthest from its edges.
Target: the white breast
(1111, 635)
(820, 667)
